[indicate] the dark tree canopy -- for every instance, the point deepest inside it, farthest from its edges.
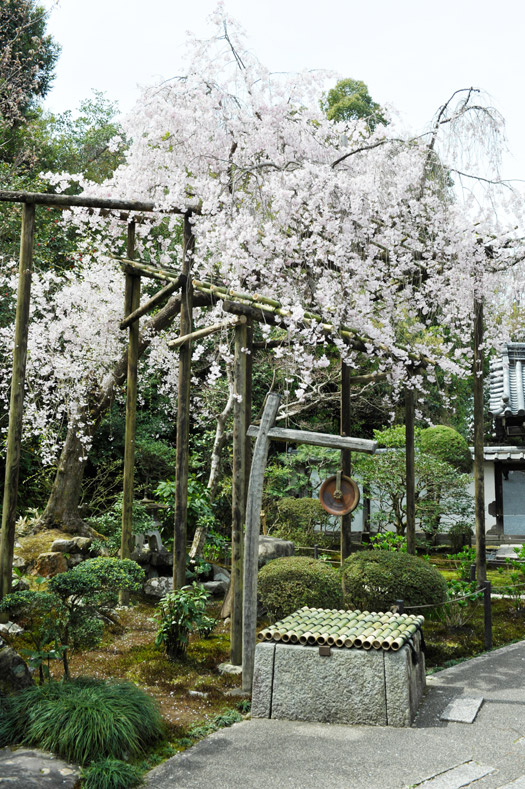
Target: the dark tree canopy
(350, 100)
(27, 58)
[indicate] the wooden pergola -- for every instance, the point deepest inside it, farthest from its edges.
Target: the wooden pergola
(244, 308)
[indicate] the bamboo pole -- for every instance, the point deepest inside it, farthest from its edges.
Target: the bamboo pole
(67, 201)
(479, 483)
(157, 272)
(131, 303)
(16, 404)
(241, 412)
(346, 457)
(251, 544)
(204, 332)
(183, 414)
(158, 298)
(410, 471)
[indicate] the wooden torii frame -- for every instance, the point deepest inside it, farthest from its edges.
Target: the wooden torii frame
(264, 433)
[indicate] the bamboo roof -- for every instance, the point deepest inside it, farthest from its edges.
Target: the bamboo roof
(344, 629)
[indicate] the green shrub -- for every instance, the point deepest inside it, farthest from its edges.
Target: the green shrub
(289, 583)
(448, 445)
(111, 774)
(374, 580)
(179, 613)
(297, 519)
(83, 719)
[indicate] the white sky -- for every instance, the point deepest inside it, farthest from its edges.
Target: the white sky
(411, 53)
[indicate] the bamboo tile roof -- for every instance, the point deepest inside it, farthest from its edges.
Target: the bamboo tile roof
(344, 629)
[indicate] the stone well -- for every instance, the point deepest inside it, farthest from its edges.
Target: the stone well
(346, 670)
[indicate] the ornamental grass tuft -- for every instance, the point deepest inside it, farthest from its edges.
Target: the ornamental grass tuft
(83, 719)
(111, 774)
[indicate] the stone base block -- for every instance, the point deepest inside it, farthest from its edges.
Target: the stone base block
(356, 686)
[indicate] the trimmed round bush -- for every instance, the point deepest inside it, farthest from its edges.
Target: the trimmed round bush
(296, 520)
(83, 719)
(374, 580)
(291, 582)
(448, 445)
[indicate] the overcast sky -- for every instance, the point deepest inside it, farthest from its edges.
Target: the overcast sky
(411, 53)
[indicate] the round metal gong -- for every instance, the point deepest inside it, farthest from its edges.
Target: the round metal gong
(339, 495)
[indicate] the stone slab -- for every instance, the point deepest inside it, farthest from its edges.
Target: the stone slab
(405, 682)
(262, 683)
(458, 776)
(519, 783)
(31, 769)
(463, 709)
(346, 687)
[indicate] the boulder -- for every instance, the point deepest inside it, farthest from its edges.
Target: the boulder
(158, 587)
(220, 574)
(20, 563)
(49, 564)
(216, 587)
(273, 548)
(74, 545)
(14, 674)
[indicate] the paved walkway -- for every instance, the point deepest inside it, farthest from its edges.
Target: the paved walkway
(435, 753)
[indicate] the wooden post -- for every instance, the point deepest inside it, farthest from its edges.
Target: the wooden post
(16, 404)
(131, 303)
(410, 471)
(241, 422)
(479, 482)
(251, 540)
(183, 414)
(346, 457)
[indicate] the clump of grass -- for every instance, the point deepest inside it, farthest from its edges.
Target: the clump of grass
(83, 719)
(111, 774)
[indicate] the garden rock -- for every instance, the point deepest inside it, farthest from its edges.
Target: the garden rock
(216, 587)
(14, 673)
(220, 574)
(11, 629)
(50, 564)
(19, 563)
(74, 545)
(273, 548)
(32, 769)
(158, 587)
(75, 558)
(229, 668)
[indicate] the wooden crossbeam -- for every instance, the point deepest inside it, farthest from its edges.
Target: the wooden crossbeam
(151, 303)
(317, 439)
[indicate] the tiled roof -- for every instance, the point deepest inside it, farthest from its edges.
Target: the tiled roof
(504, 453)
(507, 381)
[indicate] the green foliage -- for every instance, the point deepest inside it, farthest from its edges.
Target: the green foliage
(374, 580)
(27, 58)
(291, 582)
(87, 590)
(223, 719)
(442, 497)
(110, 524)
(179, 613)
(350, 100)
(515, 585)
(83, 720)
(297, 473)
(200, 506)
(448, 445)
(461, 596)
(297, 519)
(42, 615)
(111, 774)
(463, 561)
(388, 541)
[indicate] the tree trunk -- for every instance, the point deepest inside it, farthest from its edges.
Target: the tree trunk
(62, 506)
